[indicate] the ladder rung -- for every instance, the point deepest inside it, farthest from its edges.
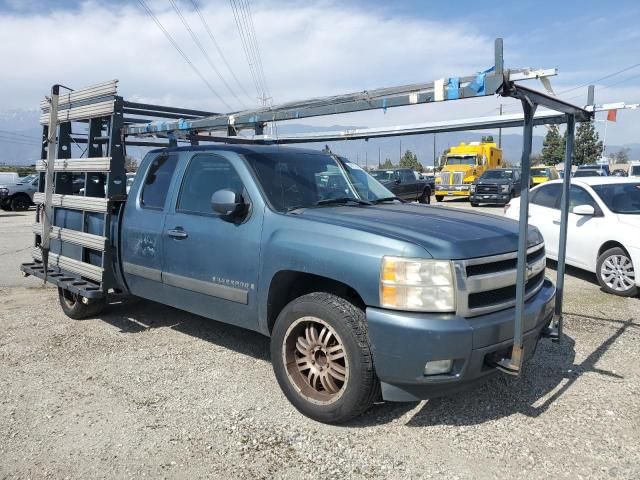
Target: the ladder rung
(75, 202)
(95, 91)
(93, 110)
(83, 269)
(97, 164)
(88, 240)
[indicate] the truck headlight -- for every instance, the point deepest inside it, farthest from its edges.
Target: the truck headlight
(504, 188)
(472, 188)
(417, 284)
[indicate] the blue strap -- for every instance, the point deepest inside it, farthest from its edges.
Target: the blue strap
(452, 88)
(478, 83)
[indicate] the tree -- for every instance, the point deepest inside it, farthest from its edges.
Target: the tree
(410, 160)
(553, 147)
(130, 163)
(387, 164)
(621, 156)
(588, 147)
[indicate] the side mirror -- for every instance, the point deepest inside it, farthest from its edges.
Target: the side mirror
(586, 210)
(228, 203)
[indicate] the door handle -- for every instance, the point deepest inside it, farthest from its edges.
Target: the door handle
(556, 222)
(177, 233)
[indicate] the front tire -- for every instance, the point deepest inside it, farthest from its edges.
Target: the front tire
(616, 273)
(322, 358)
(74, 308)
(439, 198)
(20, 203)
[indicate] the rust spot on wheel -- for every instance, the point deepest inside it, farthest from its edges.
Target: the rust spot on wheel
(315, 360)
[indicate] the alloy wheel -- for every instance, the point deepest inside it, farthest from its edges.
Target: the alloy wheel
(617, 273)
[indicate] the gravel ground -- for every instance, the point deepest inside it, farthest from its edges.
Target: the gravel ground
(147, 390)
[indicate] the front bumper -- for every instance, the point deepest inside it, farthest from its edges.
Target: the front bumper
(490, 197)
(403, 342)
(457, 190)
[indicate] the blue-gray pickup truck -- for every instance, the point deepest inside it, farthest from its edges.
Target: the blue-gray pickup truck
(364, 296)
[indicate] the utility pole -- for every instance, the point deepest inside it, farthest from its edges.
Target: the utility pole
(434, 151)
(400, 157)
(366, 160)
(500, 131)
(378, 157)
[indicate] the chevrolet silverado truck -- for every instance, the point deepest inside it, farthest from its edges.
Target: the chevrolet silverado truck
(18, 196)
(405, 184)
(364, 297)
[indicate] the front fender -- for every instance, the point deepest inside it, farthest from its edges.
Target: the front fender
(347, 255)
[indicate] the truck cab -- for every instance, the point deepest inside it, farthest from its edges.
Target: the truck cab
(464, 164)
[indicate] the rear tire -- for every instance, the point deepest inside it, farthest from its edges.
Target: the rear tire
(426, 196)
(616, 273)
(322, 358)
(439, 198)
(74, 308)
(20, 203)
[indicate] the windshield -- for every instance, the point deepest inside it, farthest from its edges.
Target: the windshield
(382, 175)
(27, 179)
(539, 172)
(491, 174)
(635, 170)
(130, 180)
(461, 160)
(294, 180)
(623, 198)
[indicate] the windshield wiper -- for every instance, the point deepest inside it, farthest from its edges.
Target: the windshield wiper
(388, 199)
(342, 200)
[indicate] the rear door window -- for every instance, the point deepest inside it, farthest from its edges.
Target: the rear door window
(157, 182)
(548, 196)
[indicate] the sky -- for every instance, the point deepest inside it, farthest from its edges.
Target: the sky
(317, 48)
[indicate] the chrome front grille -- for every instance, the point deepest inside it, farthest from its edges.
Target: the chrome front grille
(488, 284)
(445, 178)
(458, 177)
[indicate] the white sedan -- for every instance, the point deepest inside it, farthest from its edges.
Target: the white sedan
(603, 230)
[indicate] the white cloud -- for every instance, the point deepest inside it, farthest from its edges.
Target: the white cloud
(307, 49)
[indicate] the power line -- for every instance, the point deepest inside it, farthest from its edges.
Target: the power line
(600, 79)
(19, 141)
(215, 44)
(247, 53)
(17, 134)
(247, 7)
(196, 40)
(182, 54)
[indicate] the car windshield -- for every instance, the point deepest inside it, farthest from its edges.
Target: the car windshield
(130, 180)
(382, 175)
(491, 174)
(292, 180)
(623, 198)
(27, 179)
(635, 170)
(539, 172)
(461, 160)
(586, 173)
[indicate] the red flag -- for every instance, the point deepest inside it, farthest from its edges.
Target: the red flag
(611, 115)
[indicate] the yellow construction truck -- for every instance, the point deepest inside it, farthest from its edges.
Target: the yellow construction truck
(463, 165)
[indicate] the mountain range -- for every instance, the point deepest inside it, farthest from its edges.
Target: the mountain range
(20, 137)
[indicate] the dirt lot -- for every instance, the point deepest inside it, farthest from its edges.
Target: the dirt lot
(147, 390)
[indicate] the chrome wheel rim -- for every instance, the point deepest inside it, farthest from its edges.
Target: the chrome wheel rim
(617, 273)
(315, 360)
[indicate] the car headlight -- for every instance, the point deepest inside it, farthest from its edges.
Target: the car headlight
(4, 191)
(417, 284)
(504, 188)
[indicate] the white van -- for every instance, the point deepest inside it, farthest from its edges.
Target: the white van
(634, 169)
(8, 178)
